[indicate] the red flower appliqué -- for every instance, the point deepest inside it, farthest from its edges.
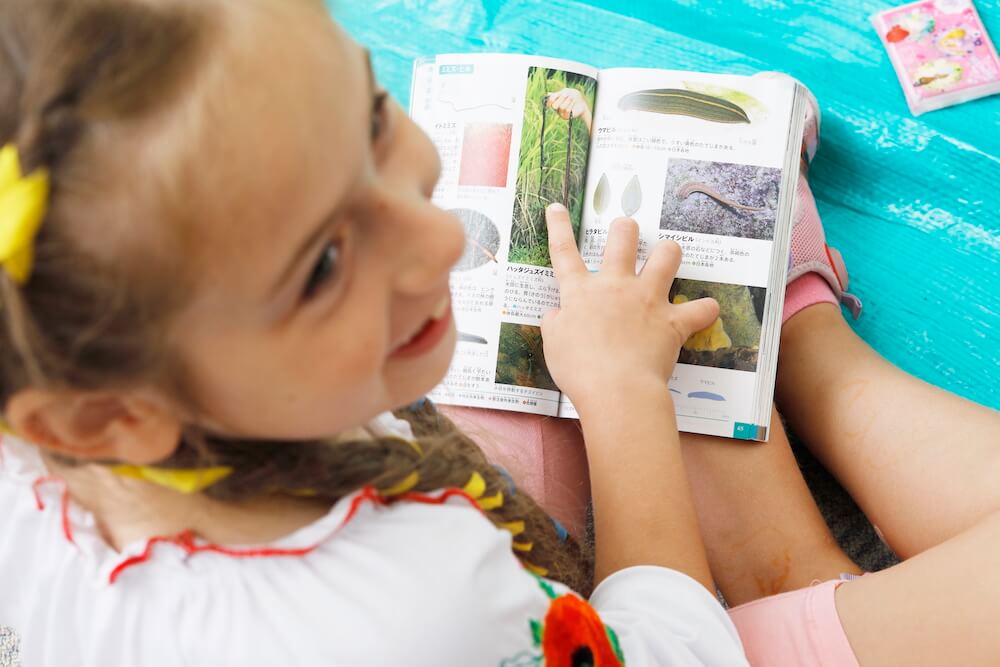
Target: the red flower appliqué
(574, 636)
(571, 635)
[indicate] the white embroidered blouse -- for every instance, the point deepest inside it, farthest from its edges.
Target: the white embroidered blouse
(426, 582)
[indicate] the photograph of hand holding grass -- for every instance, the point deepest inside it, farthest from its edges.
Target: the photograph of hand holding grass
(552, 166)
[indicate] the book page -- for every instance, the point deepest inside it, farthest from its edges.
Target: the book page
(513, 133)
(701, 159)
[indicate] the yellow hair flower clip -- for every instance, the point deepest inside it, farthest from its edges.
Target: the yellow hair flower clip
(23, 203)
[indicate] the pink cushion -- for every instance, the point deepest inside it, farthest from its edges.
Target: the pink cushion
(544, 455)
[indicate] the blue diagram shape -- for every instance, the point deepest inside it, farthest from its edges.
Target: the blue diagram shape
(706, 395)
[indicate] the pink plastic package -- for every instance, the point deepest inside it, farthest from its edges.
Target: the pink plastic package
(941, 53)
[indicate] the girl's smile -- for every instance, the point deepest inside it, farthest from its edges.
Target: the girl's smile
(429, 335)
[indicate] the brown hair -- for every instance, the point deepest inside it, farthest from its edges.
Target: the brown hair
(87, 319)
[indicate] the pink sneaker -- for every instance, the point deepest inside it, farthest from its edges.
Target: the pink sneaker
(810, 253)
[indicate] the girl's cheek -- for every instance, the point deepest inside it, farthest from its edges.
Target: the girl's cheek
(349, 341)
(353, 367)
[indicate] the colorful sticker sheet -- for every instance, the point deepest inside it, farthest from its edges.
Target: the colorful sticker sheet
(941, 53)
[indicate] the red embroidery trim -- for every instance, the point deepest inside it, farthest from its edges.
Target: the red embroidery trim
(34, 489)
(186, 542)
(67, 525)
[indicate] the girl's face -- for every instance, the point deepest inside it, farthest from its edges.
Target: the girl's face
(321, 292)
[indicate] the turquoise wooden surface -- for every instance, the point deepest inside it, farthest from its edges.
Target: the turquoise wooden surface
(913, 203)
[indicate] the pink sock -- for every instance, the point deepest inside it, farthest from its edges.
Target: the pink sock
(805, 291)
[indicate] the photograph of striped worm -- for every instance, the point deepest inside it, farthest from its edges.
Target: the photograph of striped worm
(681, 102)
(720, 198)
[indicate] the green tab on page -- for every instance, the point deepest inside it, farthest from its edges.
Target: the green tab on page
(743, 431)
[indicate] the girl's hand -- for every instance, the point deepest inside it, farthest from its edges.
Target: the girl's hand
(615, 330)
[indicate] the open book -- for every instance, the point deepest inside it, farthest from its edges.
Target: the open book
(711, 161)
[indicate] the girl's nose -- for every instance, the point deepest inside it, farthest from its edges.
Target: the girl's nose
(427, 244)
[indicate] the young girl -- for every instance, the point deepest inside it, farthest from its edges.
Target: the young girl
(220, 270)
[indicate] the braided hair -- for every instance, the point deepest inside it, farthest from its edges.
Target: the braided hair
(439, 457)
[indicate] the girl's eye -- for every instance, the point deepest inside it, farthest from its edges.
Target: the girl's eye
(380, 115)
(325, 270)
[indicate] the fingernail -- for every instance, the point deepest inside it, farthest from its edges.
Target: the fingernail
(556, 207)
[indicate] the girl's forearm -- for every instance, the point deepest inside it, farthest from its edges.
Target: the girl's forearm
(643, 511)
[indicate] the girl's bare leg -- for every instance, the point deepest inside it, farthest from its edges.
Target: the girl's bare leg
(922, 463)
(938, 608)
(762, 530)
(876, 428)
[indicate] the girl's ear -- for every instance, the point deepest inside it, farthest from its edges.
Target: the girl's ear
(96, 426)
